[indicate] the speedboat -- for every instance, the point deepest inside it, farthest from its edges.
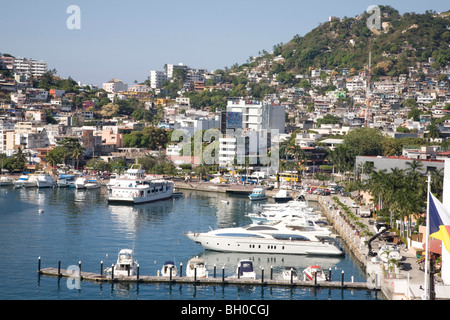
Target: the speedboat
(126, 265)
(314, 273)
(135, 188)
(245, 270)
(276, 238)
(390, 252)
(258, 193)
(168, 269)
(6, 181)
(197, 267)
(25, 181)
(66, 181)
(282, 196)
(92, 184)
(80, 183)
(290, 273)
(45, 180)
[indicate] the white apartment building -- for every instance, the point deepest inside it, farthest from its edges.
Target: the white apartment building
(227, 150)
(259, 116)
(30, 67)
(157, 78)
(139, 88)
(171, 67)
(115, 85)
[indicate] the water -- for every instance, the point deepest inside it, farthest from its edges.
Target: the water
(81, 226)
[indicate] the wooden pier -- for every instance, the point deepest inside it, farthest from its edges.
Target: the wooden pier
(220, 280)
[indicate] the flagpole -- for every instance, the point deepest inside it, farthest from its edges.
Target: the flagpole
(426, 294)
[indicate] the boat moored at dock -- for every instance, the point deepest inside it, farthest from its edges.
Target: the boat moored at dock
(126, 265)
(277, 238)
(257, 194)
(135, 188)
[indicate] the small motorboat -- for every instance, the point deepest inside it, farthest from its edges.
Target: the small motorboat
(92, 184)
(177, 194)
(257, 194)
(25, 181)
(313, 273)
(80, 183)
(45, 180)
(390, 252)
(6, 181)
(282, 196)
(197, 267)
(66, 181)
(245, 270)
(168, 268)
(289, 272)
(126, 265)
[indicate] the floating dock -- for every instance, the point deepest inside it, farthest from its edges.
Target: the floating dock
(220, 280)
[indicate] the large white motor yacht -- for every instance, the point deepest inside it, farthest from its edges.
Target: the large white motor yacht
(135, 188)
(277, 238)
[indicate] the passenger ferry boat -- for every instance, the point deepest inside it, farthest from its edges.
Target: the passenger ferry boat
(134, 187)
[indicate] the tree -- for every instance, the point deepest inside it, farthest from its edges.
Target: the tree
(433, 131)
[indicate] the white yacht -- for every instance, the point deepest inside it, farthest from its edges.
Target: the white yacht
(92, 184)
(196, 267)
(66, 181)
(258, 193)
(282, 196)
(276, 238)
(126, 265)
(135, 188)
(244, 270)
(6, 181)
(168, 268)
(45, 180)
(81, 181)
(25, 181)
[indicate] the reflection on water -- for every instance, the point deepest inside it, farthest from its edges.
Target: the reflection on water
(267, 261)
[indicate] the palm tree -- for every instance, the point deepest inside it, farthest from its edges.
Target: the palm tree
(78, 153)
(433, 131)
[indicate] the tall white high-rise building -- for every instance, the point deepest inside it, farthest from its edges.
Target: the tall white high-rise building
(157, 78)
(171, 67)
(259, 116)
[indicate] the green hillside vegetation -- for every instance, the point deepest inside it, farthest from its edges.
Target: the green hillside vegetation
(405, 40)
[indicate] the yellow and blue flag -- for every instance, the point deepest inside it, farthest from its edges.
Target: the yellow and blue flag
(439, 220)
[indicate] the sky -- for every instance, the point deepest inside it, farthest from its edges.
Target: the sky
(127, 39)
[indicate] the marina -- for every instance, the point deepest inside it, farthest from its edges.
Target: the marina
(155, 232)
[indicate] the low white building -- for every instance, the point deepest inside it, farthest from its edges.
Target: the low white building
(115, 85)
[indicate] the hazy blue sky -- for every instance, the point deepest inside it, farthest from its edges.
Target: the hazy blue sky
(127, 39)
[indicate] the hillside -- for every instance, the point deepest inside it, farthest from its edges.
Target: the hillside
(344, 44)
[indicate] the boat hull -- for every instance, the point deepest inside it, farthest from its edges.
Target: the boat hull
(282, 200)
(137, 200)
(252, 245)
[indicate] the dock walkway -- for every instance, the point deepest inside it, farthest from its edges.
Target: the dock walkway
(262, 281)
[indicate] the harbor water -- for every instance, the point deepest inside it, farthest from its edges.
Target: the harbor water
(79, 226)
